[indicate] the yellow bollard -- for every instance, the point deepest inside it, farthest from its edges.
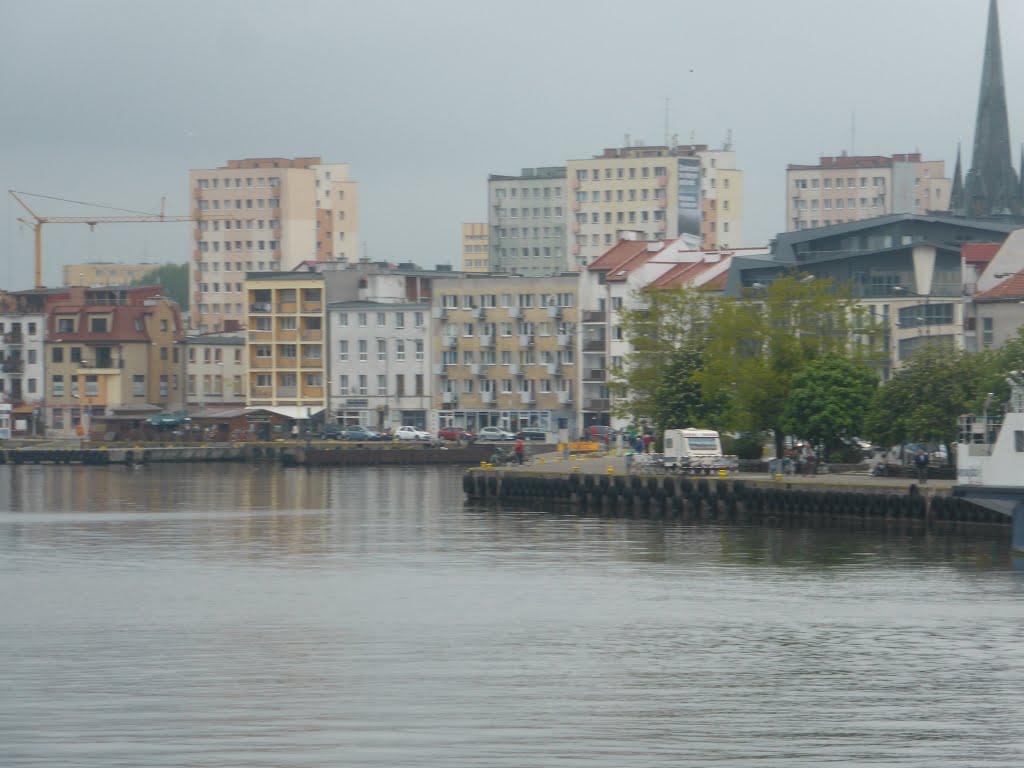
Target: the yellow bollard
(541, 459)
(575, 469)
(722, 473)
(483, 465)
(778, 477)
(610, 470)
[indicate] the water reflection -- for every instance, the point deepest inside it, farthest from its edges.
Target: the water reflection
(225, 615)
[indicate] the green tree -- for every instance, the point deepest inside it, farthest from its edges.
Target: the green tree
(828, 401)
(923, 401)
(668, 333)
(173, 278)
(760, 341)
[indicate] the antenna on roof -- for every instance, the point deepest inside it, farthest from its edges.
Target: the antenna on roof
(853, 134)
(727, 144)
(667, 102)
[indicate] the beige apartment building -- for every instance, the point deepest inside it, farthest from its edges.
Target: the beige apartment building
(475, 248)
(105, 273)
(504, 352)
(654, 193)
(264, 215)
(855, 187)
(285, 344)
(113, 359)
(215, 371)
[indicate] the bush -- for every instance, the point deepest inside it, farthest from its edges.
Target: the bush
(745, 446)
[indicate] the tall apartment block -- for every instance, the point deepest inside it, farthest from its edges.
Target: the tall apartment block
(475, 248)
(856, 187)
(527, 218)
(264, 215)
(654, 193)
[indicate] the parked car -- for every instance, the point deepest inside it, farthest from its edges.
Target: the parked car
(332, 432)
(455, 433)
(411, 433)
(360, 433)
(531, 433)
(494, 433)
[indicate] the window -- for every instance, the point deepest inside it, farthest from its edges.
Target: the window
(65, 325)
(400, 320)
(382, 320)
(343, 351)
(987, 331)
(363, 351)
(362, 384)
(343, 385)
(343, 319)
(57, 354)
(58, 386)
(382, 349)
(263, 380)
(138, 385)
(314, 380)
(419, 349)
(92, 386)
(400, 350)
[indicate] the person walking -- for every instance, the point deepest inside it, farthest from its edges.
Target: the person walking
(647, 442)
(519, 451)
(921, 462)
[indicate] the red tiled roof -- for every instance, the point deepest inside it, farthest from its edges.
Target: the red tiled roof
(1011, 288)
(979, 253)
(681, 274)
(620, 253)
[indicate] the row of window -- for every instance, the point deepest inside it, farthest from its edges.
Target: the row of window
(489, 357)
(215, 225)
(522, 300)
(538, 213)
(213, 385)
(620, 195)
(15, 329)
(537, 232)
(851, 202)
(546, 252)
(213, 354)
(92, 385)
(287, 381)
(506, 329)
(358, 385)
(260, 204)
(238, 266)
(620, 173)
(398, 318)
(507, 386)
(207, 246)
(538, 192)
(260, 181)
(851, 182)
(363, 347)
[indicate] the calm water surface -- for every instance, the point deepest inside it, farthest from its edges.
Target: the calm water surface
(237, 616)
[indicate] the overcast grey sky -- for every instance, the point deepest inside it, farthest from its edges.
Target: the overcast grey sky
(113, 101)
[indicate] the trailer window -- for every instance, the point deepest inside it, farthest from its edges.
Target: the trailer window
(703, 443)
(1018, 440)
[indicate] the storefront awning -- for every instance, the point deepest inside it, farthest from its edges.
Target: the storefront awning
(289, 411)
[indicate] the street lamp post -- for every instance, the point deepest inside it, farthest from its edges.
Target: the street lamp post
(387, 378)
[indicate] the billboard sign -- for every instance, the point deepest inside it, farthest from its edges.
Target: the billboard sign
(688, 196)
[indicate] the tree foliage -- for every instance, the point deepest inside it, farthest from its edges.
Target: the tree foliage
(922, 402)
(173, 278)
(828, 400)
(667, 332)
(760, 341)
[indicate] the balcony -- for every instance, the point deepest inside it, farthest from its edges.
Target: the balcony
(439, 313)
(312, 335)
(449, 398)
(526, 340)
(440, 369)
(554, 369)
(515, 312)
(516, 370)
(594, 345)
(478, 313)
(554, 311)
(287, 391)
(261, 308)
(594, 316)
(527, 397)
(564, 397)
(563, 339)
(487, 341)
(261, 362)
(447, 342)
(14, 339)
(487, 398)
(595, 375)
(312, 362)
(597, 405)
(477, 369)
(13, 366)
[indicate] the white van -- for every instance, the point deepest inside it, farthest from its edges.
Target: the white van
(694, 449)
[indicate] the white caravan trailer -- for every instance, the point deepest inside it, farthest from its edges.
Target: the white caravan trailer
(694, 449)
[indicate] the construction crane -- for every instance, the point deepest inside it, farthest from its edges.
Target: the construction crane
(38, 221)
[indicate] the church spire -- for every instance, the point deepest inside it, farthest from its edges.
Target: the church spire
(991, 186)
(957, 204)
